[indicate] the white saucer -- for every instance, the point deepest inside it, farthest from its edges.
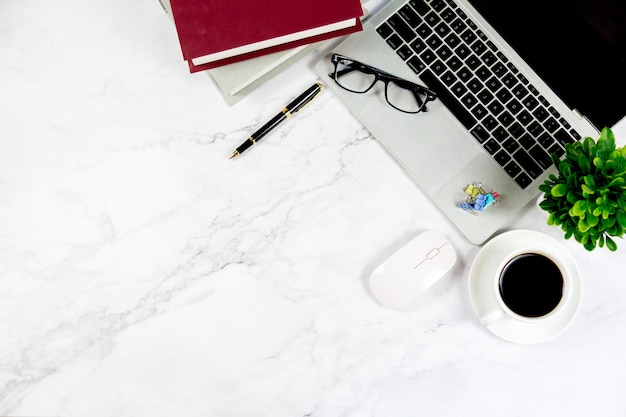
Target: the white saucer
(481, 276)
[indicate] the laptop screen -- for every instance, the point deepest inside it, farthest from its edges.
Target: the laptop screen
(578, 47)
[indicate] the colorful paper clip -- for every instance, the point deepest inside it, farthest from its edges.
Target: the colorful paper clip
(477, 199)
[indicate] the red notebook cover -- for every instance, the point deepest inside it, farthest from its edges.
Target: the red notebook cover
(210, 27)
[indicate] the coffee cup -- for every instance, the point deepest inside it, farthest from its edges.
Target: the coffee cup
(530, 285)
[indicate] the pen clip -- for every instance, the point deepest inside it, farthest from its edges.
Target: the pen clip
(308, 100)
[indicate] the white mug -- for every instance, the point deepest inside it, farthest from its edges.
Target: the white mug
(530, 285)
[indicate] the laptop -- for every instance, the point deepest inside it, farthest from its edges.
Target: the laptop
(515, 82)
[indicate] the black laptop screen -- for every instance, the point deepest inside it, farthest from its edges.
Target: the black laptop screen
(578, 47)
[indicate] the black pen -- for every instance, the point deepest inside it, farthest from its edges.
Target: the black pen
(291, 108)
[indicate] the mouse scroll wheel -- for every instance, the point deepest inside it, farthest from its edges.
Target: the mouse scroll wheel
(432, 253)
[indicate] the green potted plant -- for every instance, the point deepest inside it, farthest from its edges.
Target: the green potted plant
(587, 198)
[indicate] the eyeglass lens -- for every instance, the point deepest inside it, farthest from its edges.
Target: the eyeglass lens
(359, 78)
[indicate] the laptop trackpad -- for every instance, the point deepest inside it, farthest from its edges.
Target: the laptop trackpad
(431, 146)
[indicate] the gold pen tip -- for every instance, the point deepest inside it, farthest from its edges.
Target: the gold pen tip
(234, 155)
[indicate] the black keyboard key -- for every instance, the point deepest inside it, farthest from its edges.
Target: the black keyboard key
(527, 141)
(523, 180)
(535, 128)
(420, 6)
(546, 141)
(463, 73)
(523, 79)
(510, 145)
(452, 40)
(499, 69)
(423, 31)
(490, 123)
(468, 36)
(479, 47)
(530, 102)
(541, 156)
(428, 56)
(527, 163)
(464, 52)
(504, 95)
(395, 41)
(400, 26)
(454, 63)
(469, 100)
(442, 29)
(489, 59)
(557, 150)
(500, 134)
(448, 15)
(437, 4)
(475, 85)
(512, 169)
(432, 18)
(509, 80)
(459, 89)
(416, 64)
(514, 106)
(525, 117)
(448, 78)
(483, 73)
(384, 30)
(563, 137)
(491, 146)
(502, 157)
(404, 52)
(541, 114)
(493, 84)
(516, 130)
(410, 16)
(551, 125)
(512, 68)
(480, 134)
(520, 91)
(458, 25)
(418, 46)
(506, 118)
(444, 52)
(484, 96)
(495, 108)
(438, 67)
(479, 111)
(448, 100)
(434, 42)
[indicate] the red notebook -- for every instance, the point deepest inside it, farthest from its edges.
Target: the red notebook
(219, 32)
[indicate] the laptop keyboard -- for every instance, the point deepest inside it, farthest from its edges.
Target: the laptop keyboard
(479, 85)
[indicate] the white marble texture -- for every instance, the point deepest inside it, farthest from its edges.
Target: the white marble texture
(142, 273)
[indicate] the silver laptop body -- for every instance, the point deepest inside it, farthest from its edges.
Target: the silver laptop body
(436, 150)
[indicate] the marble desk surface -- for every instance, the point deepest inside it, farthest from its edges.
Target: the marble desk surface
(143, 273)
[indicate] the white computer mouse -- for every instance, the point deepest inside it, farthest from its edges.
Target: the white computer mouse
(399, 280)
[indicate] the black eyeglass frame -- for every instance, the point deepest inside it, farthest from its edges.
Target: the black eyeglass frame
(386, 78)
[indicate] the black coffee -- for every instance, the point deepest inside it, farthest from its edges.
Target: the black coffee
(531, 285)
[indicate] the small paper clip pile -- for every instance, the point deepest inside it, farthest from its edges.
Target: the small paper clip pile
(477, 199)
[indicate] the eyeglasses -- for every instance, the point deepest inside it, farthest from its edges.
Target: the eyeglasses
(401, 94)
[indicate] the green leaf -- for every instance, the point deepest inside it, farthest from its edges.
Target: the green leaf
(559, 190)
(584, 163)
(610, 244)
(579, 209)
(617, 182)
(606, 142)
(621, 218)
(598, 162)
(587, 190)
(583, 226)
(592, 220)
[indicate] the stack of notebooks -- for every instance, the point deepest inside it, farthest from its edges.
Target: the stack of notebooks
(242, 42)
